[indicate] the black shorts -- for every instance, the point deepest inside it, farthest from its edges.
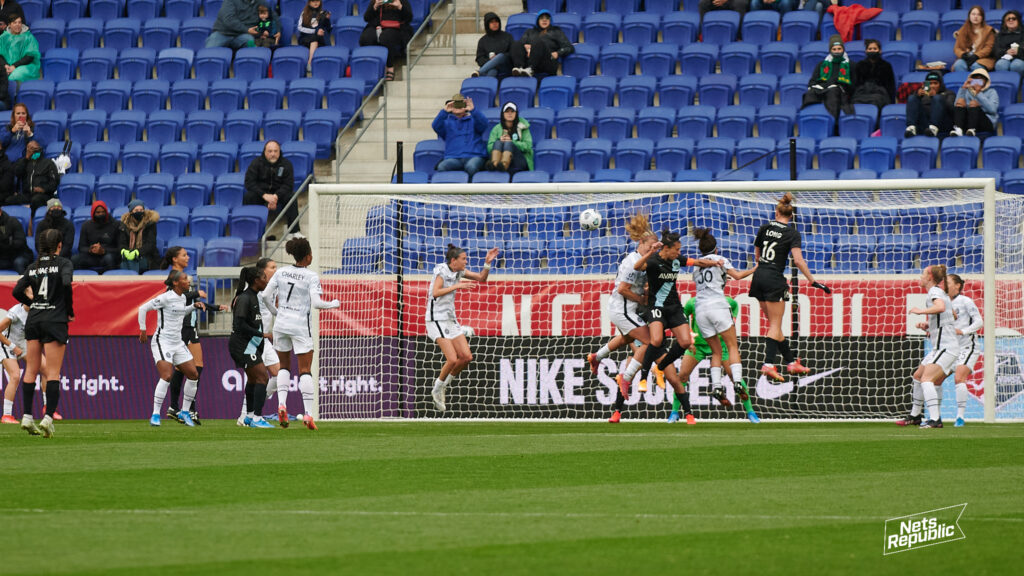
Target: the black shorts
(307, 39)
(246, 361)
(46, 332)
(669, 317)
(189, 335)
(769, 286)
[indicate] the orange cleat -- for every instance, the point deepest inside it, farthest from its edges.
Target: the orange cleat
(642, 386)
(795, 367)
(690, 419)
(594, 363)
(770, 371)
(57, 416)
(282, 415)
(308, 421)
(8, 419)
(659, 376)
(623, 385)
(615, 418)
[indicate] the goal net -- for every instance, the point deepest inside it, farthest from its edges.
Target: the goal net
(544, 307)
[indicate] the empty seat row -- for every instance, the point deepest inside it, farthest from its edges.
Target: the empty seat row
(154, 189)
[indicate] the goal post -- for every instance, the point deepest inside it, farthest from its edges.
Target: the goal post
(543, 307)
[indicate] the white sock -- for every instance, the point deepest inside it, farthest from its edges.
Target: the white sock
(448, 380)
(9, 406)
(961, 399)
(189, 395)
(716, 376)
(438, 384)
(250, 414)
(931, 400)
(737, 372)
(284, 380)
(631, 369)
(158, 395)
(308, 392)
(603, 352)
(916, 398)
(271, 387)
(244, 407)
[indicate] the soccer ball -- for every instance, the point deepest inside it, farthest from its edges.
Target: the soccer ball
(590, 219)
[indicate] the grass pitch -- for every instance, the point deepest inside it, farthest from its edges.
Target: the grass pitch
(504, 498)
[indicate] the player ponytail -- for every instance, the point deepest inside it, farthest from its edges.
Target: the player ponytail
(246, 277)
(49, 239)
(169, 256)
(669, 238)
(706, 241)
(938, 274)
(452, 253)
(639, 227)
(785, 206)
(298, 248)
(958, 281)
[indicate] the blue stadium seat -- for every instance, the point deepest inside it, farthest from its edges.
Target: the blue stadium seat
(919, 154)
(112, 95)
(652, 176)
(99, 158)
(761, 27)
(1013, 182)
(329, 62)
(837, 153)
(878, 154)
(229, 189)
(228, 95)
(698, 175)
(574, 123)
(217, 158)
(894, 120)
(173, 219)
(861, 123)
(154, 189)
(67, 9)
(634, 154)
(637, 91)
(776, 121)
(517, 24)
(164, 126)
(738, 58)
(919, 220)
(673, 154)
(321, 127)
(696, 120)
(597, 92)
(212, 64)
(582, 62)
(551, 155)
(222, 251)
(194, 31)
(715, 154)
(757, 90)
(160, 33)
(858, 174)
(177, 158)
(640, 28)
(251, 63)
(173, 64)
(72, 95)
(482, 90)
(622, 7)
(899, 174)
(655, 122)
(902, 55)
(135, 64)
(813, 53)
(523, 254)
(36, 94)
(181, 9)
(60, 64)
(143, 9)
(427, 154)
(79, 214)
(959, 153)
(736, 122)
(919, 26)
(615, 123)
(50, 125)
(531, 177)
(367, 64)
(281, 125)
(208, 222)
(799, 26)
(192, 190)
(87, 126)
(677, 91)
(698, 59)
(150, 95)
(680, 26)
(541, 120)
(194, 246)
(754, 153)
(346, 31)
(792, 88)
(570, 23)
(302, 155)
(738, 175)
(659, 60)
(571, 176)
(1001, 153)
(140, 158)
(779, 58)
(306, 94)
(114, 189)
(815, 122)
(457, 177)
(599, 28)
(720, 27)
(189, 95)
(75, 190)
(21, 213)
(520, 90)
(804, 153)
(289, 62)
(49, 34)
(83, 33)
(345, 95)
(489, 177)
(1007, 85)
(556, 92)
(266, 95)
(882, 27)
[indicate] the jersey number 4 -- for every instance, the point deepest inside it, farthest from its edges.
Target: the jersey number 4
(43, 289)
(769, 249)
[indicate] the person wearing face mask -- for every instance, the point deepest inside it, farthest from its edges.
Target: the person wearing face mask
(97, 244)
(57, 219)
(137, 238)
(930, 109)
(976, 108)
(832, 81)
(875, 82)
(38, 177)
(1008, 42)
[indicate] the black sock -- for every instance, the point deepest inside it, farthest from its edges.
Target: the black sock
(174, 390)
(195, 403)
(674, 353)
(771, 350)
(52, 396)
(250, 401)
(684, 402)
(787, 354)
(650, 355)
(28, 393)
(260, 393)
(620, 400)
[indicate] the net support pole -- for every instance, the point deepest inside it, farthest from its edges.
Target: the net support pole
(314, 237)
(794, 280)
(989, 233)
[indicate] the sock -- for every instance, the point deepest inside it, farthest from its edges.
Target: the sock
(771, 350)
(650, 355)
(158, 396)
(916, 399)
(603, 352)
(438, 383)
(931, 400)
(736, 370)
(195, 400)
(961, 399)
(175, 389)
(675, 402)
(28, 392)
(684, 401)
(447, 381)
(631, 369)
(620, 400)
(787, 354)
(271, 387)
(746, 403)
(260, 396)
(284, 380)
(716, 376)
(190, 394)
(309, 392)
(674, 353)
(250, 389)
(8, 407)
(52, 396)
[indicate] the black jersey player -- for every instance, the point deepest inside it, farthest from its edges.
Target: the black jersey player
(248, 338)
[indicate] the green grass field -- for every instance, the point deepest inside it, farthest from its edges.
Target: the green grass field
(505, 498)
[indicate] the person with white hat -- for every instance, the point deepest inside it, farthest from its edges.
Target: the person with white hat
(510, 144)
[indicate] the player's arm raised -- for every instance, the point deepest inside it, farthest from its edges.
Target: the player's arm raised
(483, 274)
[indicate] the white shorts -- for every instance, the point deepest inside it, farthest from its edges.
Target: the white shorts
(443, 329)
(8, 351)
(969, 357)
(713, 320)
(176, 353)
(270, 355)
(626, 321)
(944, 358)
(298, 343)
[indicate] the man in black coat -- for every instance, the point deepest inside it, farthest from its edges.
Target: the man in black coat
(38, 178)
(269, 181)
(494, 48)
(57, 218)
(541, 48)
(14, 252)
(97, 244)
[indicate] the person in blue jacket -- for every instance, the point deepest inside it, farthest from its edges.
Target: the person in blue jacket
(463, 129)
(976, 108)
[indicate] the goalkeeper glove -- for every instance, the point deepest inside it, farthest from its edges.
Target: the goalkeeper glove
(822, 287)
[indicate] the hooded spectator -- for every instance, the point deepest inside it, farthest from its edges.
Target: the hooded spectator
(493, 49)
(976, 108)
(541, 48)
(137, 238)
(57, 219)
(97, 243)
(930, 109)
(269, 181)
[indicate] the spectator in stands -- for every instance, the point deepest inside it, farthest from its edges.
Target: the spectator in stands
(267, 31)
(97, 243)
(38, 177)
(57, 219)
(706, 6)
(17, 134)
(780, 6)
(930, 110)
(388, 24)
(462, 127)
(236, 23)
(7, 8)
(820, 6)
(314, 29)
(540, 48)
(19, 51)
(269, 181)
(14, 252)
(1008, 43)
(510, 144)
(831, 82)
(6, 179)
(493, 49)
(874, 79)
(5, 93)
(976, 108)
(974, 42)
(137, 238)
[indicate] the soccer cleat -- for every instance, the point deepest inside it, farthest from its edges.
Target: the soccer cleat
(186, 419)
(741, 392)
(260, 423)
(29, 425)
(8, 419)
(673, 417)
(718, 393)
(623, 385)
(241, 422)
(795, 367)
(659, 376)
(154, 420)
(438, 395)
(46, 426)
(910, 421)
(752, 416)
(308, 421)
(642, 386)
(57, 416)
(172, 413)
(616, 416)
(771, 372)
(195, 418)
(931, 424)
(690, 420)
(282, 415)
(247, 422)
(959, 423)
(594, 363)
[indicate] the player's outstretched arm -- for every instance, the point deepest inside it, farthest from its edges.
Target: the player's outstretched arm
(482, 275)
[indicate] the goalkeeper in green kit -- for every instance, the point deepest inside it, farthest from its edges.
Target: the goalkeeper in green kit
(697, 352)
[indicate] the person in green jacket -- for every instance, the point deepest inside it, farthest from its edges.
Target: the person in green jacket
(19, 51)
(510, 145)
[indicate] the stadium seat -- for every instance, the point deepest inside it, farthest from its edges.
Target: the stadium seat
(882, 27)
(599, 28)
(619, 60)
(228, 95)
(677, 91)
(517, 24)
(193, 245)
(229, 189)
(164, 126)
(776, 121)
(321, 127)
(570, 23)
(83, 33)
(555, 92)
(779, 58)
(143, 9)
(736, 122)
(918, 154)
(329, 62)
(698, 59)
(72, 95)
(222, 251)
(50, 125)
(87, 126)
(97, 64)
(792, 88)
(541, 120)
(655, 122)
(111, 96)
(894, 120)
(189, 95)
(346, 31)
(36, 94)
(738, 58)
(520, 90)
(266, 95)
(367, 64)
(581, 63)
(696, 120)
(837, 153)
(194, 31)
(811, 54)
(681, 27)
(49, 34)
(804, 153)
(306, 94)
(760, 27)
(640, 28)
(177, 158)
(281, 125)
(217, 158)
(551, 156)
(755, 153)
(531, 177)
(140, 158)
(815, 122)
(597, 92)
(566, 176)
(289, 62)
(489, 177)
(799, 26)
(154, 189)
(959, 153)
(574, 123)
(60, 64)
(720, 27)
(717, 90)
(427, 155)
(99, 158)
(482, 90)
(634, 154)
(212, 64)
(114, 189)
(160, 33)
(902, 55)
(899, 174)
(878, 154)
(919, 26)
(1001, 153)
(193, 190)
(75, 190)
(861, 123)
(251, 63)
(637, 92)
(135, 64)
(1007, 85)
(673, 154)
(757, 90)
(714, 154)
(458, 177)
(208, 222)
(659, 60)
(150, 95)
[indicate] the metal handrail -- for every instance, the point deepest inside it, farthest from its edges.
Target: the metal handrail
(281, 214)
(411, 62)
(380, 87)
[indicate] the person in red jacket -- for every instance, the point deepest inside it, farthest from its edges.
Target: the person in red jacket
(97, 244)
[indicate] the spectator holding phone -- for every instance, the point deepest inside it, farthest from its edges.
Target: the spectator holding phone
(462, 127)
(929, 110)
(314, 28)
(977, 105)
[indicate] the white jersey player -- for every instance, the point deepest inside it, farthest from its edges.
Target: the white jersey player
(968, 322)
(14, 345)
(939, 363)
(169, 350)
(713, 314)
(442, 326)
(292, 295)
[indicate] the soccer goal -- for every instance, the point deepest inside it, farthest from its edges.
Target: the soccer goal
(531, 325)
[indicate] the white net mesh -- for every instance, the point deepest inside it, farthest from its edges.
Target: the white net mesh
(544, 307)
